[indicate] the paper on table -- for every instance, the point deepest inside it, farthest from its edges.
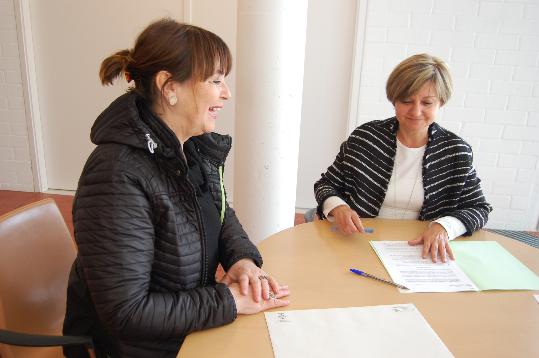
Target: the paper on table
(491, 267)
(376, 331)
(406, 267)
(537, 298)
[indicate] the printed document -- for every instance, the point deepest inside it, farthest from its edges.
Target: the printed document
(376, 331)
(406, 267)
(478, 265)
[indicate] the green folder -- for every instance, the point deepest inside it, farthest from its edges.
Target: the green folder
(491, 267)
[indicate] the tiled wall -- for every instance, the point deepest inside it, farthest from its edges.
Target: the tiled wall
(15, 165)
(492, 48)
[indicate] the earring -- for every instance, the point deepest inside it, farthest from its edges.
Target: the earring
(172, 99)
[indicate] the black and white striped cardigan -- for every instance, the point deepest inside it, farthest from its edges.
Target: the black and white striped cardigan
(362, 169)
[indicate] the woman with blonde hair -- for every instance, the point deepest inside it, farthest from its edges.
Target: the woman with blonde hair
(407, 166)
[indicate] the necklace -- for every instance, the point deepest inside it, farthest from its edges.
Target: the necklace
(409, 201)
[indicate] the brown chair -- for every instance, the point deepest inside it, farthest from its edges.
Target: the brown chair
(36, 254)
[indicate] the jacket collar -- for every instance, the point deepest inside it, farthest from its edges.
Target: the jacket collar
(129, 121)
(214, 146)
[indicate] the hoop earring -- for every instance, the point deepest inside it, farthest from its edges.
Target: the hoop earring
(172, 99)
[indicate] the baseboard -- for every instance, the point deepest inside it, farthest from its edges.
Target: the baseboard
(61, 192)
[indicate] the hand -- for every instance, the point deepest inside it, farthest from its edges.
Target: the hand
(347, 220)
(246, 304)
(246, 273)
(435, 241)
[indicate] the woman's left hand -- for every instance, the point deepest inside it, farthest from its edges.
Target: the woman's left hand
(246, 273)
(435, 241)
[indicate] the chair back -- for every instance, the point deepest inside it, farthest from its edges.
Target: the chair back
(36, 254)
(310, 215)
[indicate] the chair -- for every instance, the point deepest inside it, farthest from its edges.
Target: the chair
(310, 215)
(36, 254)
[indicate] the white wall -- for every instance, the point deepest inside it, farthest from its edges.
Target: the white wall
(69, 49)
(67, 59)
(15, 163)
(326, 87)
(492, 48)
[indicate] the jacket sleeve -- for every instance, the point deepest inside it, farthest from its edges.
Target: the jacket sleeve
(332, 181)
(234, 243)
(115, 235)
(472, 209)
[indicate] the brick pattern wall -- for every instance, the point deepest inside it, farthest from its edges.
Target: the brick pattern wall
(492, 48)
(15, 165)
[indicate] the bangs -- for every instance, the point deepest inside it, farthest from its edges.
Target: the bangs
(412, 74)
(407, 82)
(210, 55)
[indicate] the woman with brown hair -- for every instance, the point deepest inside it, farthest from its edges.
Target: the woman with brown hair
(151, 218)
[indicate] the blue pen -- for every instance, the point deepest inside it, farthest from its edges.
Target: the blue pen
(364, 274)
(366, 230)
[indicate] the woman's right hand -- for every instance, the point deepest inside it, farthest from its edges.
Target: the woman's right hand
(347, 220)
(246, 304)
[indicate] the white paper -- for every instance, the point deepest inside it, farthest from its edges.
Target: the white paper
(406, 267)
(536, 298)
(376, 331)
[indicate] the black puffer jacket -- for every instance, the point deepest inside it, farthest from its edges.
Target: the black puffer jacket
(140, 283)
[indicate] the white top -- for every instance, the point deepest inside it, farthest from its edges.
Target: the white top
(404, 195)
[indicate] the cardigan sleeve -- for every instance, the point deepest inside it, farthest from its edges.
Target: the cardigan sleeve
(452, 187)
(332, 181)
(472, 209)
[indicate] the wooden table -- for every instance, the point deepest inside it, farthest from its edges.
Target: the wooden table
(314, 262)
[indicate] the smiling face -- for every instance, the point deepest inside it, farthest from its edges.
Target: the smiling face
(208, 99)
(199, 104)
(417, 112)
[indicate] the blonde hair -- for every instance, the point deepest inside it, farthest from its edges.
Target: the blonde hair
(412, 73)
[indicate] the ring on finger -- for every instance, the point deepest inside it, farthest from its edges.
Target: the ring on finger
(263, 277)
(271, 295)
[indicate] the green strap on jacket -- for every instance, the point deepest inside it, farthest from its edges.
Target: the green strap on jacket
(223, 199)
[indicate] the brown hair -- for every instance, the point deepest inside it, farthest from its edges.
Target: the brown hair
(411, 74)
(185, 51)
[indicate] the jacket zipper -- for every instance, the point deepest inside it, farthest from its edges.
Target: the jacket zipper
(198, 211)
(202, 233)
(220, 168)
(223, 199)
(205, 258)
